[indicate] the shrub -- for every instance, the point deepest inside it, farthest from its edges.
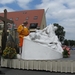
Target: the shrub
(9, 53)
(66, 52)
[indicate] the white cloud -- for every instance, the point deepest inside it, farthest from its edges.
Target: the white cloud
(57, 11)
(8, 9)
(23, 3)
(6, 1)
(62, 12)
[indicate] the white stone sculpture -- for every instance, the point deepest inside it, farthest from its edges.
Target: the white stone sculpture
(45, 38)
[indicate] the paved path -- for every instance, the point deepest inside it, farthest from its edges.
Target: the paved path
(29, 72)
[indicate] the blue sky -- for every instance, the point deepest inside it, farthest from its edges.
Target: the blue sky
(58, 11)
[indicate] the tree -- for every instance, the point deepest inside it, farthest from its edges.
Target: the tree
(60, 32)
(69, 42)
(66, 42)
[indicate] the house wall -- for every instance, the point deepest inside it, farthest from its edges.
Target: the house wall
(43, 22)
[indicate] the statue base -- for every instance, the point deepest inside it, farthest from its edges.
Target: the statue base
(35, 51)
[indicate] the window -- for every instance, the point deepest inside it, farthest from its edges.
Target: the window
(25, 12)
(11, 19)
(27, 18)
(1, 27)
(35, 17)
(17, 18)
(33, 25)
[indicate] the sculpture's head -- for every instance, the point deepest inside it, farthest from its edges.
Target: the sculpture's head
(25, 23)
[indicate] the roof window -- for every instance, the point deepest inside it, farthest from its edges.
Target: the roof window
(27, 18)
(17, 18)
(35, 17)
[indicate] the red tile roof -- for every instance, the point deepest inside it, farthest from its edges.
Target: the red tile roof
(20, 16)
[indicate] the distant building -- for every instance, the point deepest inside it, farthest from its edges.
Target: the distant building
(35, 18)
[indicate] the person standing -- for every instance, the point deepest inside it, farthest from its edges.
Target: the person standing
(23, 31)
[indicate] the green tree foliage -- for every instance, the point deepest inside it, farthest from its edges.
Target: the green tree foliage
(60, 32)
(69, 42)
(66, 42)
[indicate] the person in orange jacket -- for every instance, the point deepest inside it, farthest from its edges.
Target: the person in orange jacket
(23, 31)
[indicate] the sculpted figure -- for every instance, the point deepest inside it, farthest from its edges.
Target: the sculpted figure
(42, 45)
(47, 37)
